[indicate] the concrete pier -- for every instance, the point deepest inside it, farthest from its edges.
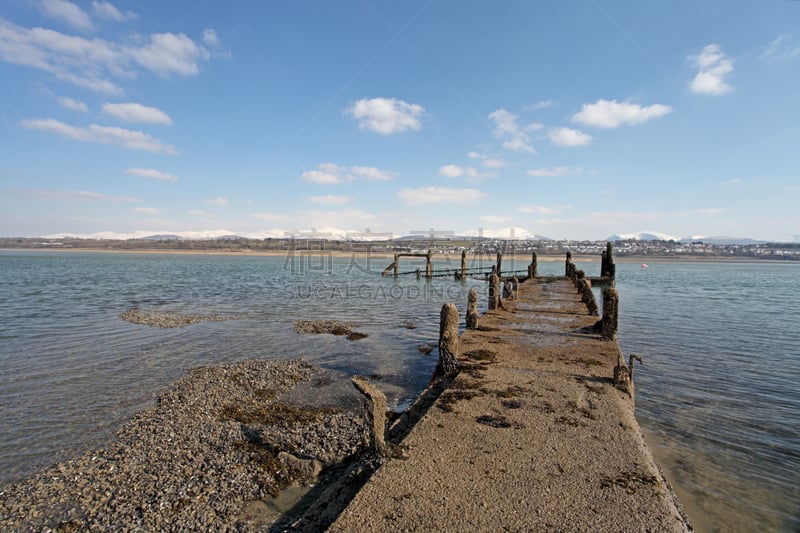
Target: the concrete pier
(530, 435)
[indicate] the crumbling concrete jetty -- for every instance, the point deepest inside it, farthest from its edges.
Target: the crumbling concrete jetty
(530, 435)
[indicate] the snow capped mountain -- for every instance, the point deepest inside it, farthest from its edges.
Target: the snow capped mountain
(643, 236)
(510, 233)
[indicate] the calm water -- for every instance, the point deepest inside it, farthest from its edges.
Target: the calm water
(717, 396)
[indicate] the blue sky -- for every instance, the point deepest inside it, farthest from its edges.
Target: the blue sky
(570, 119)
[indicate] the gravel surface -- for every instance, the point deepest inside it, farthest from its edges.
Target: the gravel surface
(167, 320)
(328, 326)
(219, 440)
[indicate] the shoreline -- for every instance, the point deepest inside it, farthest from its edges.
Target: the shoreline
(523, 258)
(217, 440)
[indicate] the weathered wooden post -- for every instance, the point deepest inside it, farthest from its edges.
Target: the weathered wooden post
(376, 413)
(603, 264)
(428, 266)
(612, 269)
(515, 287)
(418, 273)
(587, 296)
(396, 264)
(507, 291)
(472, 309)
(499, 264)
(610, 313)
(463, 264)
(568, 265)
(494, 290)
(533, 266)
(447, 366)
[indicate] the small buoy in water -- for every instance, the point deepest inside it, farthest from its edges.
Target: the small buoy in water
(644, 265)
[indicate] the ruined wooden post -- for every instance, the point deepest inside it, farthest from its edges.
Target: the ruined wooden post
(418, 273)
(610, 313)
(494, 290)
(447, 366)
(603, 264)
(587, 296)
(507, 291)
(568, 265)
(472, 309)
(428, 266)
(623, 375)
(376, 413)
(608, 269)
(577, 276)
(463, 264)
(533, 266)
(396, 264)
(499, 263)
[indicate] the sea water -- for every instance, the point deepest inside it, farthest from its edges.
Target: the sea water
(717, 395)
(719, 392)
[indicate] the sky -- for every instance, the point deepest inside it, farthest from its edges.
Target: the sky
(563, 119)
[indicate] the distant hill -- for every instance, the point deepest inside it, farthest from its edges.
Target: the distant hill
(168, 237)
(642, 236)
(724, 240)
(657, 236)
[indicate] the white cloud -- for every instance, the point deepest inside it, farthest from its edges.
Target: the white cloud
(59, 195)
(210, 38)
(713, 67)
(169, 53)
(132, 112)
(372, 173)
(146, 210)
(549, 172)
(782, 47)
(107, 11)
(451, 171)
(439, 195)
(327, 174)
(330, 199)
(151, 173)
(568, 137)
(494, 163)
(493, 219)
(386, 115)
(473, 155)
(612, 114)
(130, 139)
(730, 182)
(219, 201)
(505, 122)
(89, 63)
(505, 126)
(519, 144)
(66, 12)
(333, 174)
(471, 173)
(541, 104)
(538, 210)
(74, 105)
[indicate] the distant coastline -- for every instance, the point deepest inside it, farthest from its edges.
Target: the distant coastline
(624, 251)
